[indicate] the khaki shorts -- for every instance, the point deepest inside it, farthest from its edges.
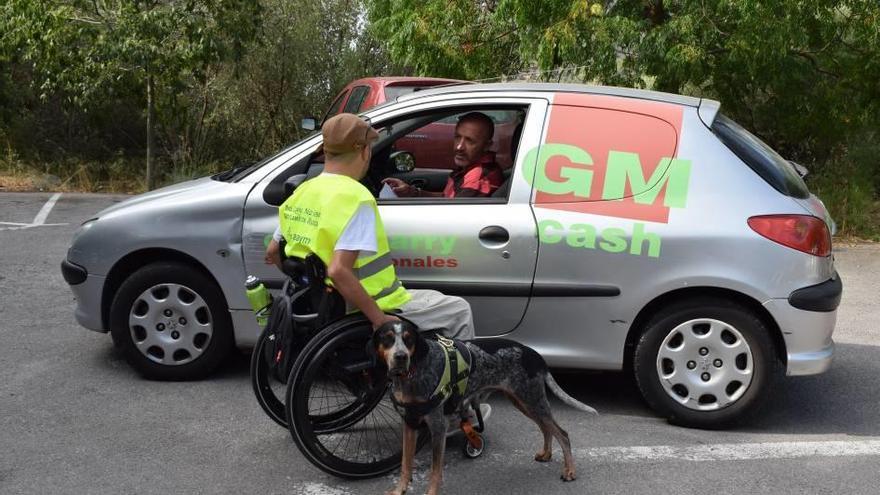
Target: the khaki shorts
(449, 316)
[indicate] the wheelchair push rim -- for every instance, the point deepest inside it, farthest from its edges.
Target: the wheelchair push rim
(268, 390)
(342, 422)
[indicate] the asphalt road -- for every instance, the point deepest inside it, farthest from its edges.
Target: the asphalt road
(74, 418)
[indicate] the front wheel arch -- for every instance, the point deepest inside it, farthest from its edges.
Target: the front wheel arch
(639, 324)
(136, 260)
(740, 324)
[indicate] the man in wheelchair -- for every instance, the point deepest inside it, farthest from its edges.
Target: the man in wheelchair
(335, 217)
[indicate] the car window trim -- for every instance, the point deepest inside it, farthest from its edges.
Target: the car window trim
(442, 201)
(504, 102)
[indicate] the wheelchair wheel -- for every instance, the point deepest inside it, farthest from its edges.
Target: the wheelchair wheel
(268, 389)
(339, 412)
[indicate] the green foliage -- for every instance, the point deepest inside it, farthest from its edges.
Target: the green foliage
(803, 75)
(232, 79)
(305, 53)
(850, 184)
(90, 49)
(462, 39)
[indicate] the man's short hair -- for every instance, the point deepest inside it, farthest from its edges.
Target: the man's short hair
(481, 118)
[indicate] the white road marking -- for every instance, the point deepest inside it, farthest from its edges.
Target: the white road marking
(310, 488)
(40, 219)
(732, 451)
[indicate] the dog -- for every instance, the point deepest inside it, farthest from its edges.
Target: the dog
(416, 364)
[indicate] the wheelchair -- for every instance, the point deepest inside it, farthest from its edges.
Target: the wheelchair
(335, 403)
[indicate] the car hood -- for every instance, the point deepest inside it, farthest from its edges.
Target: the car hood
(184, 191)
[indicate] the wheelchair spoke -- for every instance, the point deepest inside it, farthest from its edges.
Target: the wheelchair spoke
(341, 415)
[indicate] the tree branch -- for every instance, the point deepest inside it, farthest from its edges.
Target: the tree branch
(814, 63)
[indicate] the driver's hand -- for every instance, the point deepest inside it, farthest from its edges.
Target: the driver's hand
(399, 187)
(273, 254)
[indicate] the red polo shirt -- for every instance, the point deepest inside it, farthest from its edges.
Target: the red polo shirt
(477, 179)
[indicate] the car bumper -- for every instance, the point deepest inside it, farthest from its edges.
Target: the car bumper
(88, 302)
(807, 319)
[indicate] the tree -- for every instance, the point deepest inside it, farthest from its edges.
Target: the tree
(801, 74)
(304, 54)
(91, 50)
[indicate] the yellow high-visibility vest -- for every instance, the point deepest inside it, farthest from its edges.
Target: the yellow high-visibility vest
(312, 220)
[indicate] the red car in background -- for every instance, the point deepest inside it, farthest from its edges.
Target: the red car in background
(431, 145)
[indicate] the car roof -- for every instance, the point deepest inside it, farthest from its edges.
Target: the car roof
(642, 94)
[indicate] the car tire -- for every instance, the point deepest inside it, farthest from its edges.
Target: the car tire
(705, 363)
(171, 322)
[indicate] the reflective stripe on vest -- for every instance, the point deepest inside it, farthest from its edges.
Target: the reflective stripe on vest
(313, 219)
(375, 266)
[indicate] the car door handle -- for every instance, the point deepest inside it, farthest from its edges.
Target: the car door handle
(420, 183)
(494, 234)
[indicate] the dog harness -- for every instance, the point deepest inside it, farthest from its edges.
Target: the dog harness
(450, 389)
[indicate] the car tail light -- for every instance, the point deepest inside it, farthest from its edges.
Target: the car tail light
(802, 232)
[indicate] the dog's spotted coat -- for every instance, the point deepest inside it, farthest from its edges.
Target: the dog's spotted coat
(416, 365)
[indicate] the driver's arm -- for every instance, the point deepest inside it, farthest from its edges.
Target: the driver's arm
(341, 272)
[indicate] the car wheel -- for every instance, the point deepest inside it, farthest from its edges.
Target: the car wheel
(705, 363)
(171, 322)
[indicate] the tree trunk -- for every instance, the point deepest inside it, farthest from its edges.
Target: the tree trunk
(150, 175)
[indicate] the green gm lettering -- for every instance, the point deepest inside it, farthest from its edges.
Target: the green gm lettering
(621, 168)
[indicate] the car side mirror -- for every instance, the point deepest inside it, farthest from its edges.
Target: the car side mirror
(403, 161)
(309, 124)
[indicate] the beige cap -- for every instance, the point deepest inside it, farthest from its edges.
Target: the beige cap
(344, 132)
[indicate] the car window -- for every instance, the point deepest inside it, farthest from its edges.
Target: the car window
(356, 100)
(334, 108)
(760, 157)
(429, 140)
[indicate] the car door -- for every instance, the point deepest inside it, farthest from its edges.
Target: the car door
(483, 249)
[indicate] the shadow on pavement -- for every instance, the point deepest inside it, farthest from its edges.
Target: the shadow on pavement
(840, 401)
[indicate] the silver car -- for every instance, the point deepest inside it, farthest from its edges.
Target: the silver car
(635, 231)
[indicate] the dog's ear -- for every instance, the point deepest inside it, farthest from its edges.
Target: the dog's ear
(372, 350)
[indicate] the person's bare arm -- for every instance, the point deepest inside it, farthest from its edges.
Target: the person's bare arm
(341, 272)
(404, 190)
(273, 254)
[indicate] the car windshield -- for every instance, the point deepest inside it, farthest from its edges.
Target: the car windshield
(235, 174)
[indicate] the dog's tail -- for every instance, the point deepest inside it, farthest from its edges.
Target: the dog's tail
(564, 397)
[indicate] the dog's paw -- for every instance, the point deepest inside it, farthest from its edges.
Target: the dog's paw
(568, 475)
(543, 456)
(395, 492)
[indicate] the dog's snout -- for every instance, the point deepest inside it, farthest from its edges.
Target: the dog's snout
(400, 356)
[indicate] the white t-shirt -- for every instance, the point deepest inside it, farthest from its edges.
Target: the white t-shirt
(359, 234)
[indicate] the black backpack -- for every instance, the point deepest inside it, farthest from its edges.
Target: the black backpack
(305, 306)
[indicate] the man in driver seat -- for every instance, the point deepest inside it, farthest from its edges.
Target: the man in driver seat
(476, 174)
